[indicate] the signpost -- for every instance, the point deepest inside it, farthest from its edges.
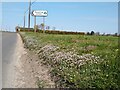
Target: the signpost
(39, 13)
(35, 23)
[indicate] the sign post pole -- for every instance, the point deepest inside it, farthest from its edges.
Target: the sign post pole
(43, 24)
(34, 23)
(40, 13)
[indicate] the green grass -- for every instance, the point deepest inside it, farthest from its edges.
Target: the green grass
(103, 44)
(100, 75)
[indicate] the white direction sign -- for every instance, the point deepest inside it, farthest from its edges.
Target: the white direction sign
(40, 13)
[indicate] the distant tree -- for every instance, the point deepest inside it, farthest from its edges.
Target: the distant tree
(116, 34)
(103, 34)
(97, 33)
(88, 33)
(47, 27)
(92, 33)
(36, 27)
(42, 25)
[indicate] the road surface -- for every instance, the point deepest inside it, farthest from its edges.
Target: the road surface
(9, 41)
(0, 60)
(20, 68)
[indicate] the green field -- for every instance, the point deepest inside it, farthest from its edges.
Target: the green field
(101, 71)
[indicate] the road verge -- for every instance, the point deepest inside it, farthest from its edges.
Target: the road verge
(67, 68)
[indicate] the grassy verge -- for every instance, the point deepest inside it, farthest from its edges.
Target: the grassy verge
(78, 61)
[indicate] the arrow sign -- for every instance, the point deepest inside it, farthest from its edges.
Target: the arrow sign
(40, 13)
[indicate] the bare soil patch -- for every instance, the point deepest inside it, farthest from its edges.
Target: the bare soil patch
(29, 70)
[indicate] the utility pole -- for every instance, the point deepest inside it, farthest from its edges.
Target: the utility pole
(24, 20)
(29, 14)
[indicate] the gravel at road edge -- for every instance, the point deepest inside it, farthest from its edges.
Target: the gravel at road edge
(29, 69)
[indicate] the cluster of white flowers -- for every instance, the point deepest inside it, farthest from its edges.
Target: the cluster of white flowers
(30, 43)
(53, 56)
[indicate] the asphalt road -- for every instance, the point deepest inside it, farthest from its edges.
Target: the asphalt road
(9, 41)
(0, 60)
